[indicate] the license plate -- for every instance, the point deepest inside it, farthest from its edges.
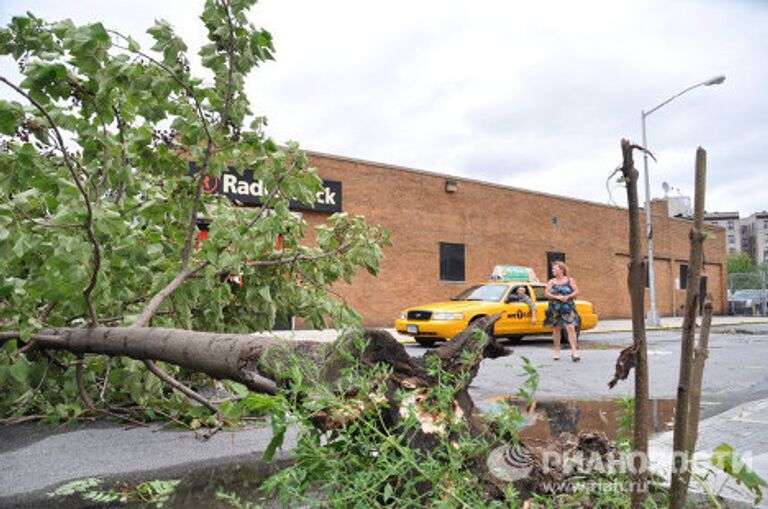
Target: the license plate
(412, 329)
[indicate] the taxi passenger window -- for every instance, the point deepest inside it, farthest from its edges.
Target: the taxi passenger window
(538, 291)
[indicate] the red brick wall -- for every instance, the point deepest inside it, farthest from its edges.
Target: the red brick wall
(501, 226)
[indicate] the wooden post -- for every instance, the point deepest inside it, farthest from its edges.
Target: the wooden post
(639, 348)
(700, 354)
(680, 462)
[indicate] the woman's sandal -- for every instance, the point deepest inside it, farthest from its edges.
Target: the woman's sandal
(575, 358)
(557, 358)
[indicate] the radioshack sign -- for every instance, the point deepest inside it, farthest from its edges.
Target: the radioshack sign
(249, 191)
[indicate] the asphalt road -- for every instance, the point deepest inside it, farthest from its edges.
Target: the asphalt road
(736, 370)
(36, 459)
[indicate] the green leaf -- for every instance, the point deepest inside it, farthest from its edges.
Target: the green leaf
(388, 492)
(11, 116)
(257, 402)
(279, 427)
(20, 370)
(265, 294)
(73, 487)
(729, 461)
(133, 45)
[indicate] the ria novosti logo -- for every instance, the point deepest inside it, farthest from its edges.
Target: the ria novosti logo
(510, 463)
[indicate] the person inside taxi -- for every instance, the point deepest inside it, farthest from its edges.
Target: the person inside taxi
(522, 295)
(561, 291)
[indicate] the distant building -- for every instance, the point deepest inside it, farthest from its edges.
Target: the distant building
(732, 224)
(748, 235)
(754, 235)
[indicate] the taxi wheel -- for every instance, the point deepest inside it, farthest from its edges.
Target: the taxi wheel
(473, 320)
(425, 341)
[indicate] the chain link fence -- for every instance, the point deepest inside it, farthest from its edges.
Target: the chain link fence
(747, 294)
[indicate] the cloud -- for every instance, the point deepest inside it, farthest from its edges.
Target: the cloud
(535, 95)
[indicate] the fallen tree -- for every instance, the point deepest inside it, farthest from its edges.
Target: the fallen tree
(100, 217)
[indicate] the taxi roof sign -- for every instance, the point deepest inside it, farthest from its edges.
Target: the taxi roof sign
(514, 273)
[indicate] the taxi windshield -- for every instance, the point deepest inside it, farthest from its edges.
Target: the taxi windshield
(488, 293)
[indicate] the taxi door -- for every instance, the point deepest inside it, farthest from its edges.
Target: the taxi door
(516, 316)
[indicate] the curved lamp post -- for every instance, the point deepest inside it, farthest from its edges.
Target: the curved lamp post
(653, 315)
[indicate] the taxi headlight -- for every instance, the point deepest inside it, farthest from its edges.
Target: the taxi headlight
(448, 316)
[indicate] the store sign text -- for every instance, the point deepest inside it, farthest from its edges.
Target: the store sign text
(247, 190)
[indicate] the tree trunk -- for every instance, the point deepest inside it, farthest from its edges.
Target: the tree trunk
(700, 355)
(241, 358)
(637, 354)
(256, 361)
(680, 442)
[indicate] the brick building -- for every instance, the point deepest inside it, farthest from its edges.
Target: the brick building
(449, 232)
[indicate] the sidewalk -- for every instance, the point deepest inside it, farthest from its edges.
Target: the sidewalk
(603, 326)
(744, 428)
(672, 322)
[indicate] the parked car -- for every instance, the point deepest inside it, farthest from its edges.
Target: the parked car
(443, 320)
(746, 302)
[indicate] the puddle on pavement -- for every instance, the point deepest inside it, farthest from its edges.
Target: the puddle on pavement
(550, 418)
(199, 488)
(602, 345)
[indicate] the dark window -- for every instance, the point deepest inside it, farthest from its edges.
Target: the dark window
(451, 262)
(647, 274)
(683, 276)
(539, 291)
(702, 293)
(553, 257)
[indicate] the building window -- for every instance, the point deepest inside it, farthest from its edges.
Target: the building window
(451, 262)
(730, 225)
(647, 275)
(731, 238)
(683, 276)
(553, 257)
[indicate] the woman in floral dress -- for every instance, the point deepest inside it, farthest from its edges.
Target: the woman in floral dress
(561, 290)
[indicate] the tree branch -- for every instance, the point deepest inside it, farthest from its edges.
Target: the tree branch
(87, 293)
(268, 199)
(165, 377)
(300, 257)
(81, 383)
(243, 358)
(192, 224)
(49, 225)
(230, 67)
(157, 300)
(173, 75)
(51, 339)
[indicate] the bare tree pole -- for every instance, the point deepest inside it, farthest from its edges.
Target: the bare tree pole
(700, 354)
(638, 351)
(680, 442)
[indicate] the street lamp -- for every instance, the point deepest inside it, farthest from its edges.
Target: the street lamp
(653, 314)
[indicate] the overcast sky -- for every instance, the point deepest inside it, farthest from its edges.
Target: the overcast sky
(534, 95)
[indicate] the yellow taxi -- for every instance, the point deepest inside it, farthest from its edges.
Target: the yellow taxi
(443, 320)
